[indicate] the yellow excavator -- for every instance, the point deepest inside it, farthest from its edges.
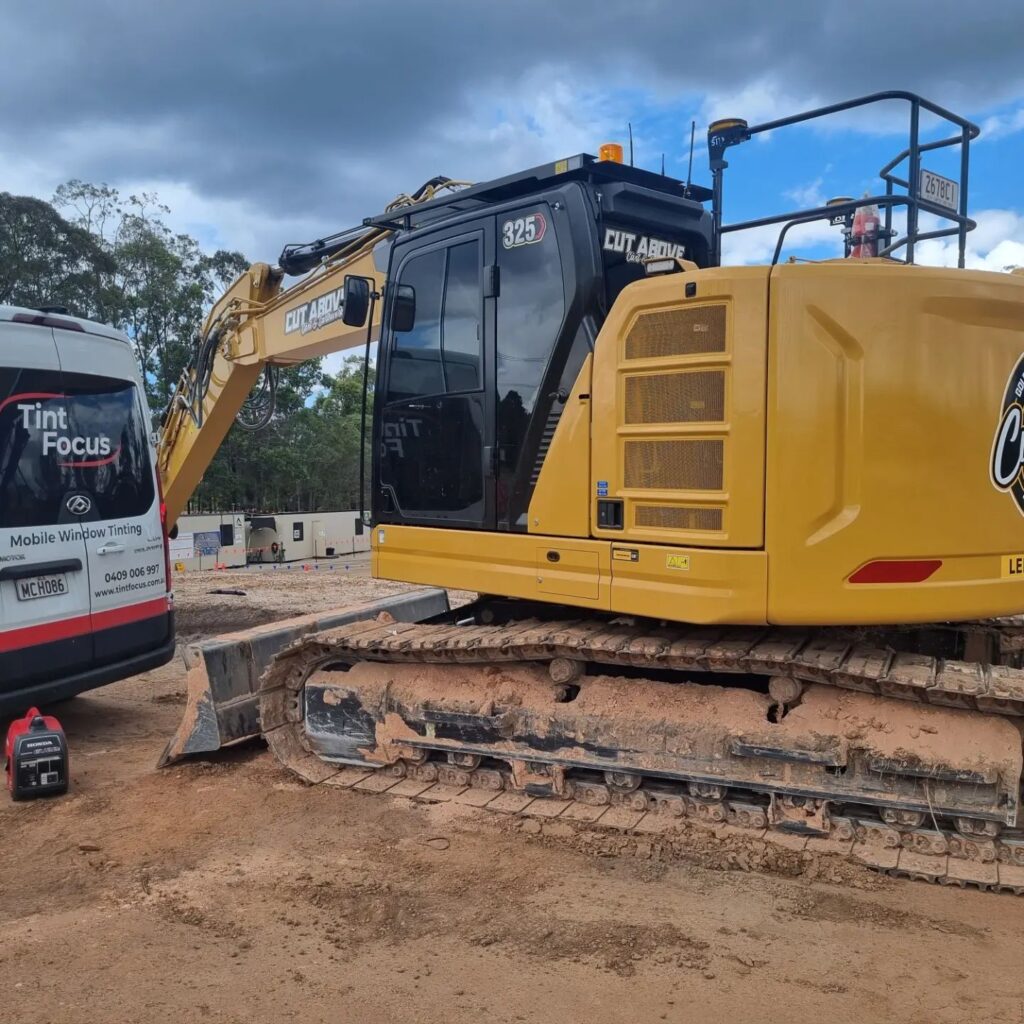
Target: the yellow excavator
(747, 541)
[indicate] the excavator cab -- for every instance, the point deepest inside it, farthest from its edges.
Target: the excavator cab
(495, 296)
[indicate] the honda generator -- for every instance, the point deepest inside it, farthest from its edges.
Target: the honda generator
(36, 755)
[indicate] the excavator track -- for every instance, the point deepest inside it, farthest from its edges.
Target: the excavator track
(548, 719)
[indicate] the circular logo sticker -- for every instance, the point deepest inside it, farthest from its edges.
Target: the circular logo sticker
(78, 505)
(1007, 468)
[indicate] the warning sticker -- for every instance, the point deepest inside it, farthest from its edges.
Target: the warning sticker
(677, 562)
(1012, 567)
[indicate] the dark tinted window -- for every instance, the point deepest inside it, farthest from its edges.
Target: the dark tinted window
(431, 458)
(32, 484)
(442, 352)
(120, 480)
(461, 334)
(416, 355)
(531, 308)
(63, 433)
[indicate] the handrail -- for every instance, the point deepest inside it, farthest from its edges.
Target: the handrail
(722, 135)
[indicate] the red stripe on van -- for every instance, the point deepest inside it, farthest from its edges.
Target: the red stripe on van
(81, 625)
(28, 394)
(94, 462)
(130, 613)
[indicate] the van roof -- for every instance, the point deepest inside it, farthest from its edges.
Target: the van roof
(9, 313)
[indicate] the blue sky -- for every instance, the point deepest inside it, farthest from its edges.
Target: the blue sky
(789, 169)
(260, 124)
(805, 165)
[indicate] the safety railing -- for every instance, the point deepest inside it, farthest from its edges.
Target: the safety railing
(950, 206)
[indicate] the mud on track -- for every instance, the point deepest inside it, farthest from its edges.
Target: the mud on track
(223, 890)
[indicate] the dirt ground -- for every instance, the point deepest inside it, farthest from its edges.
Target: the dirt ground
(223, 890)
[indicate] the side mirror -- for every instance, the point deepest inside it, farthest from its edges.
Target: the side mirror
(403, 308)
(356, 300)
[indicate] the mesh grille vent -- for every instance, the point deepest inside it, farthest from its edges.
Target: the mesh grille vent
(683, 465)
(677, 517)
(690, 330)
(676, 398)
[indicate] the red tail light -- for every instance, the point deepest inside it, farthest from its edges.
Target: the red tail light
(163, 530)
(44, 320)
(903, 570)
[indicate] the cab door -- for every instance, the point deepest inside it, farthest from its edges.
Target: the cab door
(45, 628)
(435, 394)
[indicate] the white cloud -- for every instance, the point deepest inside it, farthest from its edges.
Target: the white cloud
(808, 196)
(996, 244)
(1001, 125)
(768, 99)
(227, 223)
(217, 223)
(23, 175)
(758, 244)
(756, 102)
(544, 114)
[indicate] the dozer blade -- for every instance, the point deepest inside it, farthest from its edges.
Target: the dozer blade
(223, 673)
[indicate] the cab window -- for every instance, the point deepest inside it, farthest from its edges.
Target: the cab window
(442, 353)
(531, 308)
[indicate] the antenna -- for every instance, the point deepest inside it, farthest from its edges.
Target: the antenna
(689, 170)
(630, 125)
(663, 165)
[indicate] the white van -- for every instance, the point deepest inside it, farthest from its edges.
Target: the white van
(85, 585)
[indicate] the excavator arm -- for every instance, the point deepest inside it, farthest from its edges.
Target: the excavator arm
(255, 326)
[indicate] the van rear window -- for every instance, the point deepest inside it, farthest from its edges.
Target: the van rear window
(63, 434)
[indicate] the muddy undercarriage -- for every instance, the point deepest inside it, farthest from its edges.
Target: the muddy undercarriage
(859, 741)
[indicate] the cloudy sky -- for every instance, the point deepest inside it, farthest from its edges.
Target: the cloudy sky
(264, 123)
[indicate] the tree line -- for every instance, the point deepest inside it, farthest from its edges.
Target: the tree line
(113, 258)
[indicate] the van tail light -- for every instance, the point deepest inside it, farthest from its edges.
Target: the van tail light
(45, 320)
(163, 530)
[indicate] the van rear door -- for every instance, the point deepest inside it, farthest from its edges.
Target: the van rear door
(111, 450)
(45, 624)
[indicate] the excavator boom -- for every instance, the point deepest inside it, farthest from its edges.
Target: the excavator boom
(256, 324)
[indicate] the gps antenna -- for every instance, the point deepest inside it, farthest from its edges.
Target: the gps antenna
(689, 170)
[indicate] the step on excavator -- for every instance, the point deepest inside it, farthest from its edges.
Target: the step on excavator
(747, 540)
